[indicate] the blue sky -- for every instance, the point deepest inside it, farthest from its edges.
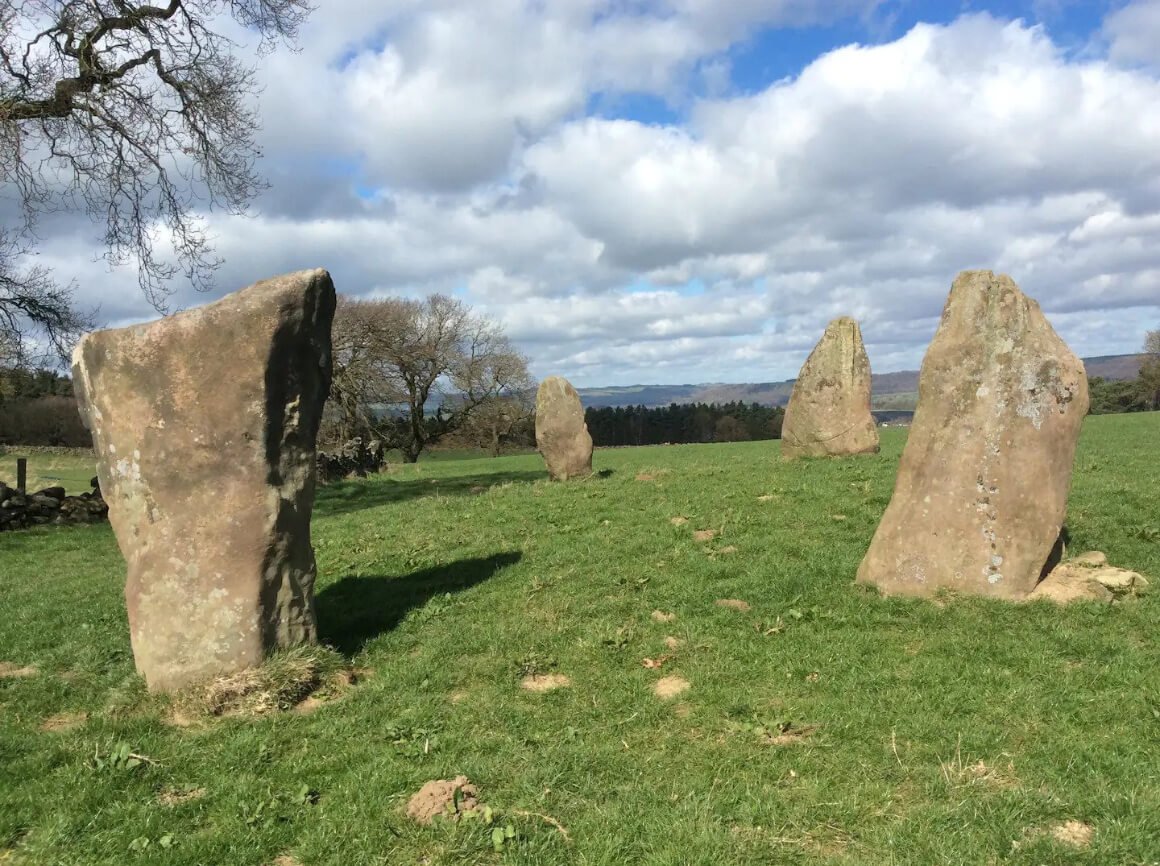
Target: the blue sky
(663, 191)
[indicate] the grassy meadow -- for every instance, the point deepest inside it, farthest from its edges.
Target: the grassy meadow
(822, 725)
(70, 471)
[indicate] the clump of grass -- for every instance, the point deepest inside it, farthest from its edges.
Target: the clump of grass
(283, 681)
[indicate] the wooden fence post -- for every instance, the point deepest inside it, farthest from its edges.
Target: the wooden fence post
(22, 475)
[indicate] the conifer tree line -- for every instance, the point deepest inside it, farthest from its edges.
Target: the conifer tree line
(680, 423)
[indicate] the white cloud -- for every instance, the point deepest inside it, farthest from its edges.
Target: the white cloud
(443, 146)
(1133, 33)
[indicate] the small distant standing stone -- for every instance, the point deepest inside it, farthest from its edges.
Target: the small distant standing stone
(204, 425)
(982, 486)
(561, 435)
(829, 411)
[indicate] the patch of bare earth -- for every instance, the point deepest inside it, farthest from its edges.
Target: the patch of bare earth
(768, 497)
(448, 798)
(669, 687)
(285, 860)
(457, 697)
(1077, 834)
(178, 718)
(544, 682)
(1074, 834)
(733, 604)
(704, 534)
(661, 616)
(673, 642)
(177, 796)
(678, 521)
(727, 550)
(789, 735)
(64, 722)
(11, 671)
(646, 476)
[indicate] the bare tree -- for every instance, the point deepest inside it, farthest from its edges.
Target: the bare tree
(31, 302)
(410, 372)
(1150, 370)
(138, 115)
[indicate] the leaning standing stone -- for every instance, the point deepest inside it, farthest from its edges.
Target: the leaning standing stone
(204, 425)
(829, 411)
(982, 487)
(561, 434)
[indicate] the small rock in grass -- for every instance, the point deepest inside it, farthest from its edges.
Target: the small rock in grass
(1088, 578)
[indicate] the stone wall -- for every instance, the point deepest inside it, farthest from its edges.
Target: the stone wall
(50, 506)
(354, 458)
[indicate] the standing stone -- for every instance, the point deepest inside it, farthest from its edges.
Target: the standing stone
(829, 411)
(981, 492)
(561, 434)
(204, 426)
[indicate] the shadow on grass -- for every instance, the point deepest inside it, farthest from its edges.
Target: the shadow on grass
(355, 610)
(345, 496)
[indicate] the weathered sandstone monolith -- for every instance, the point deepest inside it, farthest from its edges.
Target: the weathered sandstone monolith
(829, 411)
(982, 487)
(204, 425)
(561, 434)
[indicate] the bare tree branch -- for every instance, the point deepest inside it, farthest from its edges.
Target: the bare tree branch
(137, 114)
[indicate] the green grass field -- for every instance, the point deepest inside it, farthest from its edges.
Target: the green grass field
(70, 471)
(823, 725)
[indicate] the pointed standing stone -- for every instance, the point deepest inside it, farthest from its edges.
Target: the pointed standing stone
(981, 492)
(829, 411)
(561, 434)
(204, 425)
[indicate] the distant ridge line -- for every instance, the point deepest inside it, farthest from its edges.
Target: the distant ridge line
(892, 391)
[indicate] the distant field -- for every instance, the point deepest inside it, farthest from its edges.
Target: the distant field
(70, 471)
(824, 725)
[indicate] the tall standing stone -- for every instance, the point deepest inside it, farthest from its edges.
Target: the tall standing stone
(204, 425)
(981, 492)
(829, 411)
(561, 434)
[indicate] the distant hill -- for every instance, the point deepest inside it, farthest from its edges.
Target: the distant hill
(892, 391)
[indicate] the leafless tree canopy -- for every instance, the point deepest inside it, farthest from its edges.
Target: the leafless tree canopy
(138, 115)
(394, 358)
(1150, 369)
(29, 294)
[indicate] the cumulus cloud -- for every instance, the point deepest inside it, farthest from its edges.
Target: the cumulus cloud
(1133, 33)
(449, 146)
